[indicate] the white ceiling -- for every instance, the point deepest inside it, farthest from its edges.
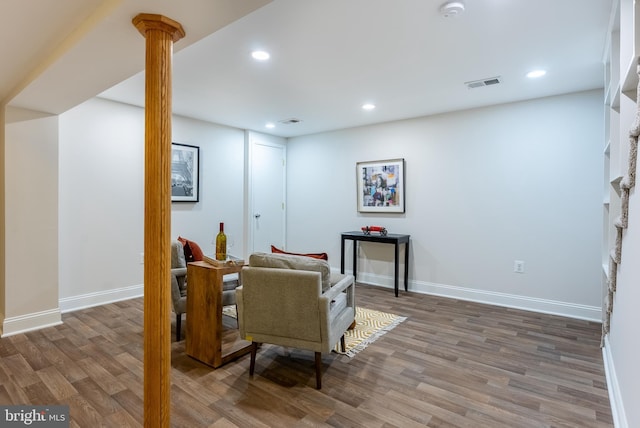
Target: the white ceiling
(329, 57)
(57, 54)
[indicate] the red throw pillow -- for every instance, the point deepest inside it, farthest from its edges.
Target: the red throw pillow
(192, 251)
(321, 256)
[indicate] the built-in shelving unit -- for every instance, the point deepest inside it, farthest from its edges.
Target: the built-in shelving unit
(621, 81)
(611, 138)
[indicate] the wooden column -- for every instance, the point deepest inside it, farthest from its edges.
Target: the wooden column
(160, 33)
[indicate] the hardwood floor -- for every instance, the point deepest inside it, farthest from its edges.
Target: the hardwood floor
(451, 363)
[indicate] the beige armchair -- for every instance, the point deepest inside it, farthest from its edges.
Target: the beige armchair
(294, 301)
(178, 284)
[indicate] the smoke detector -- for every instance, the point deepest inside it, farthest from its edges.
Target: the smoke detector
(452, 9)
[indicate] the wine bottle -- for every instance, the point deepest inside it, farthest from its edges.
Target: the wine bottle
(221, 244)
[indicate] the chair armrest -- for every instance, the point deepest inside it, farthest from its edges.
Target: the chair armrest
(339, 287)
(178, 287)
(178, 301)
(337, 318)
(179, 271)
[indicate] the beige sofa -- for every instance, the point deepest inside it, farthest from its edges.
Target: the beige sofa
(294, 301)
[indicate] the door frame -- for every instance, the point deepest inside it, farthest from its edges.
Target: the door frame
(251, 140)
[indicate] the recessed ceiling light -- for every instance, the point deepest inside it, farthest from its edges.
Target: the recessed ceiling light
(270, 125)
(368, 106)
(260, 55)
(536, 73)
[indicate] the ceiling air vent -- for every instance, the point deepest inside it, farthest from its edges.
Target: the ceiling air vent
(291, 121)
(483, 82)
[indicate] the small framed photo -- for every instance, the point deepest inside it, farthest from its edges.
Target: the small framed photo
(380, 186)
(185, 173)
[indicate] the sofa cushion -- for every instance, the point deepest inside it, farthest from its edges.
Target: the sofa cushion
(321, 256)
(336, 278)
(289, 261)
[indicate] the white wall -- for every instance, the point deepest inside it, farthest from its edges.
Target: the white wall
(221, 184)
(623, 345)
(101, 201)
(31, 222)
(102, 197)
(484, 187)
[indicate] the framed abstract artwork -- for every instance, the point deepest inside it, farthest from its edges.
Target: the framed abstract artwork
(380, 186)
(185, 173)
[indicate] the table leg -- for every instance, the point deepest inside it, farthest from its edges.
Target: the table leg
(406, 265)
(342, 255)
(355, 259)
(217, 308)
(396, 268)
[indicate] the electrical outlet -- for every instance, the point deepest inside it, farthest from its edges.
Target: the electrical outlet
(518, 266)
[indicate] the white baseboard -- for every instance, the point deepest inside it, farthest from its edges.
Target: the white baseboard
(30, 322)
(571, 310)
(615, 398)
(38, 320)
(74, 303)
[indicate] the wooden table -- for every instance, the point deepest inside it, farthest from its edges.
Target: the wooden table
(207, 339)
(391, 238)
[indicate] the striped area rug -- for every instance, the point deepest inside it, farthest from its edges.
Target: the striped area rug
(370, 325)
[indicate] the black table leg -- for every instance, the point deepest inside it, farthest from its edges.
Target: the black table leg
(396, 268)
(406, 266)
(355, 259)
(342, 255)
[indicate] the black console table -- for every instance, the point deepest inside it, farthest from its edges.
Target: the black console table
(390, 238)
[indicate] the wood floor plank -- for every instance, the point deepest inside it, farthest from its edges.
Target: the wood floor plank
(121, 418)
(15, 393)
(43, 351)
(132, 403)
(39, 394)
(19, 370)
(449, 364)
(437, 408)
(102, 402)
(83, 413)
(69, 348)
(190, 411)
(102, 377)
(59, 386)
(236, 415)
(392, 414)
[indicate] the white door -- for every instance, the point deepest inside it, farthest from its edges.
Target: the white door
(267, 196)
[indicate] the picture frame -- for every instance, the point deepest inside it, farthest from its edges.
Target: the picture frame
(185, 173)
(380, 186)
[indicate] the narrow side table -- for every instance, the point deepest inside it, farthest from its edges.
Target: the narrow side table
(207, 340)
(391, 238)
